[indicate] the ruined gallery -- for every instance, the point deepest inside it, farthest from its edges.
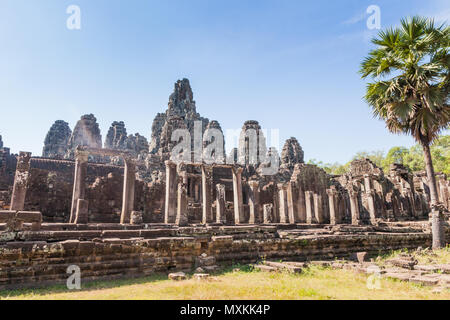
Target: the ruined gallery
(121, 207)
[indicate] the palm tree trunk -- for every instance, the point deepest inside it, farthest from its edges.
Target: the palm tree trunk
(437, 223)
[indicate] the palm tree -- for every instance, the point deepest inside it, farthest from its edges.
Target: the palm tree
(410, 90)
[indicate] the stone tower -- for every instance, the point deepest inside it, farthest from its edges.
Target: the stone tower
(291, 154)
(116, 137)
(252, 144)
(212, 129)
(56, 141)
(180, 114)
(85, 133)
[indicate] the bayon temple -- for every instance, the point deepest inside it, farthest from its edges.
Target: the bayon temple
(124, 205)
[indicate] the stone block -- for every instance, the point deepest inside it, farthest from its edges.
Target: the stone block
(29, 216)
(425, 281)
(5, 216)
(360, 256)
(205, 261)
(284, 266)
(264, 268)
(201, 276)
(403, 263)
(177, 276)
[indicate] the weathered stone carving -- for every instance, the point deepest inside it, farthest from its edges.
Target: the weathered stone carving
(291, 154)
(86, 133)
(21, 181)
(136, 218)
(57, 140)
(181, 114)
(267, 213)
(117, 136)
(252, 144)
(220, 204)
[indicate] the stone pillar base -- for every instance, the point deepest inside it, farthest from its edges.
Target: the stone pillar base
(81, 216)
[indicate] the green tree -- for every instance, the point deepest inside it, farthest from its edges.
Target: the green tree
(410, 90)
(394, 155)
(376, 157)
(440, 151)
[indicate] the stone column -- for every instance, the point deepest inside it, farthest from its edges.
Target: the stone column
(275, 205)
(82, 213)
(196, 191)
(354, 207)
(334, 219)
(309, 204)
(182, 217)
(20, 182)
(182, 205)
(207, 216)
(253, 202)
(283, 207)
(371, 206)
(220, 204)
(410, 197)
(79, 184)
(318, 208)
(171, 193)
(267, 213)
(301, 205)
(191, 188)
(292, 203)
(237, 195)
(129, 181)
(367, 184)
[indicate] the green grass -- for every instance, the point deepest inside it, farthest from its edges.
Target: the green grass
(426, 256)
(315, 283)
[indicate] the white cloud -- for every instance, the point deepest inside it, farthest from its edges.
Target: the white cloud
(355, 19)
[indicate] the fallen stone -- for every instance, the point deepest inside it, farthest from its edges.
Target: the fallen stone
(444, 268)
(283, 266)
(360, 256)
(337, 265)
(425, 281)
(403, 263)
(211, 268)
(297, 264)
(200, 270)
(264, 268)
(321, 263)
(427, 268)
(201, 276)
(177, 276)
(398, 276)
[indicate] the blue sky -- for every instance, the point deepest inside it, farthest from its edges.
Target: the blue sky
(291, 65)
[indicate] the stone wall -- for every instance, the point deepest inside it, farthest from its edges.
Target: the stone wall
(50, 188)
(113, 254)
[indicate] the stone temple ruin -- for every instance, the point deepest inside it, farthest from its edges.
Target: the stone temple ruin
(125, 208)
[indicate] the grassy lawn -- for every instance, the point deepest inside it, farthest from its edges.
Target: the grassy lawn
(315, 283)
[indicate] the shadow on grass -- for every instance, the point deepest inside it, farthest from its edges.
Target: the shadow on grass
(87, 286)
(116, 283)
